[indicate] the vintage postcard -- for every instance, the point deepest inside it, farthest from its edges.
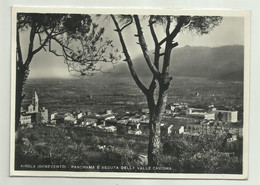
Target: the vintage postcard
(130, 93)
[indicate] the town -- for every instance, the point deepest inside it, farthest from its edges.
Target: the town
(179, 119)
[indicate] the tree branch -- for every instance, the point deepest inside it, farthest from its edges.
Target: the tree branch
(40, 40)
(152, 85)
(173, 34)
(144, 47)
(53, 51)
(168, 26)
(30, 49)
(128, 58)
(176, 29)
(18, 47)
(157, 46)
(161, 54)
(188, 24)
(60, 43)
(152, 88)
(151, 22)
(44, 42)
(130, 22)
(162, 41)
(168, 47)
(174, 44)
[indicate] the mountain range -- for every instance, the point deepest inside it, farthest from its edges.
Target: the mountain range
(219, 63)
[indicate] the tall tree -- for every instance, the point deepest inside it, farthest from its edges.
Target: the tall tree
(62, 35)
(35, 24)
(172, 25)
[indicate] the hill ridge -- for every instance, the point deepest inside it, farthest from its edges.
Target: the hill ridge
(223, 63)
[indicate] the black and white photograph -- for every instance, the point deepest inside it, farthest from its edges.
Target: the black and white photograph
(130, 93)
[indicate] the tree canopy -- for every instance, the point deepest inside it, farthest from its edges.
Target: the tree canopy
(75, 37)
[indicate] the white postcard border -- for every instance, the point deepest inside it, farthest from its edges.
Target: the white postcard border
(213, 12)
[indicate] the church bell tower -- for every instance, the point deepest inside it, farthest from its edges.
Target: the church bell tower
(35, 102)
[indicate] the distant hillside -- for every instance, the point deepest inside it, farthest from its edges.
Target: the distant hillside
(223, 63)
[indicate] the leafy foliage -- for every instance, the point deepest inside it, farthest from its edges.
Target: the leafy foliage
(67, 146)
(202, 154)
(72, 36)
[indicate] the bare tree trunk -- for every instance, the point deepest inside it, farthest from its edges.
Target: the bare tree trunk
(20, 80)
(154, 145)
(156, 112)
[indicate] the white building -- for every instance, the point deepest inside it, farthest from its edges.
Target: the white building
(30, 108)
(25, 119)
(53, 115)
(233, 138)
(34, 106)
(44, 115)
(145, 111)
(123, 121)
(226, 116)
(80, 115)
(195, 110)
(109, 111)
(175, 129)
(200, 114)
(203, 115)
(69, 119)
(108, 117)
(110, 129)
(86, 123)
(33, 114)
(138, 132)
(135, 119)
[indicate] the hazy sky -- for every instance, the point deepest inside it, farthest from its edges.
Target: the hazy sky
(229, 32)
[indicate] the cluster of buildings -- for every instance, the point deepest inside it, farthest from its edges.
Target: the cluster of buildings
(210, 113)
(178, 119)
(33, 114)
(130, 123)
(104, 121)
(194, 122)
